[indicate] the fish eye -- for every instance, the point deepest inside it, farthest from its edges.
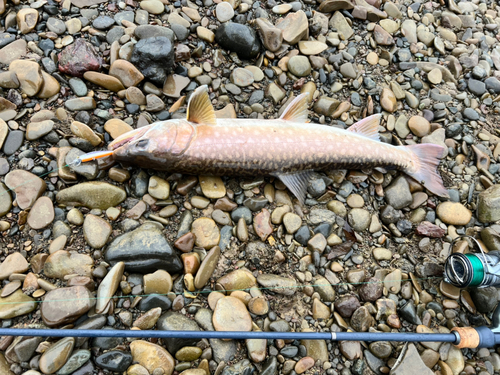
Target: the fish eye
(143, 143)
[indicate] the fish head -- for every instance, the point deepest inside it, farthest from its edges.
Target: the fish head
(149, 142)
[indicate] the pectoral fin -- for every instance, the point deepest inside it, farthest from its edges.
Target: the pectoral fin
(200, 109)
(296, 183)
(297, 109)
(367, 127)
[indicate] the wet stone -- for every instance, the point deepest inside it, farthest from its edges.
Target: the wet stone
(115, 360)
(174, 321)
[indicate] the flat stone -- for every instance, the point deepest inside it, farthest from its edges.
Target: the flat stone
(174, 84)
(80, 104)
(92, 195)
(108, 286)
(27, 18)
(96, 231)
(419, 126)
(65, 305)
(26, 194)
(29, 75)
(278, 284)
(488, 207)
(224, 12)
(144, 250)
(36, 130)
(231, 314)
(311, 47)
(152, 356)
(206, 232)
(453, 213)
(16, 304)
(104, 80)
(13, 263)
(295, 27)
(409, 361)
(62, 263)
(339, 22)
(56, 355)
(13, 51)
(41, 214)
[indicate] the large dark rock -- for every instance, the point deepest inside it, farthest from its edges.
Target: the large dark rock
(115, 360)
(485, 299)
(78, 58)
(243, 367)
(144, 250)
(173, 321)
(238, 38)
(154, 57)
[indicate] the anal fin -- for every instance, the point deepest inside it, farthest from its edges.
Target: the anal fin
(297, 109)
(296, 182)
(367, 127)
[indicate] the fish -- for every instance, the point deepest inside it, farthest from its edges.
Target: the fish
(289, 148)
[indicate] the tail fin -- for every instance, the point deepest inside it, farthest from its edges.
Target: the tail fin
(426, 158)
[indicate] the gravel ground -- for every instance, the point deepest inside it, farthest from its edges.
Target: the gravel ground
(94, 246)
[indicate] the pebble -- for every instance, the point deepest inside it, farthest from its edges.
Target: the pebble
(231, 314)
(453, 213)
(56, 355)
(65, 305)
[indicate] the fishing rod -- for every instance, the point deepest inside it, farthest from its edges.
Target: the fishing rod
(461, 337)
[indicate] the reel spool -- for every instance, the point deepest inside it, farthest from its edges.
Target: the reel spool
(473, 269)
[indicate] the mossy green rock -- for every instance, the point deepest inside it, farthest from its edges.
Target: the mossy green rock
(488, 205)
(92, 195)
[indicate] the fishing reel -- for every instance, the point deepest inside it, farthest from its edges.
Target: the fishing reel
(473, 269)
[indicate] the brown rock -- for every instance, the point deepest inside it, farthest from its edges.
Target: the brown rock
(185, 243)
(16, 304)
(388, 100)
(271, 36)
(65, 305)
(148, 319)
(108, 82)
(262, 224)
(29, 75)
(207, 267)
(329, 6)
(83, 131)
(14, 263)
(174, 84)
(230, 314)
(159, 282)
(295, 27)
(419, 126)
(152, 356)
(191, 262)
(382, 37)
(108, 286)
(63, 263)
(206, 232)
(12, 52)
(126, 72)
(237, 279)
(56, 356)
(27, 19)
(41, 214)
(50, 86)
(453, 213)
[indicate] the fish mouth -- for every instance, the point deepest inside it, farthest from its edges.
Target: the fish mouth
(128, 137)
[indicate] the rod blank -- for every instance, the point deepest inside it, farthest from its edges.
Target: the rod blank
(237, 335)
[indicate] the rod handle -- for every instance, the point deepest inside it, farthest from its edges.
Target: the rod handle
(469, 337)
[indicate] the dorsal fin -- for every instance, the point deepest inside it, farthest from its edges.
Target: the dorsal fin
(200, 109)
(297, 109)
(367, 127)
